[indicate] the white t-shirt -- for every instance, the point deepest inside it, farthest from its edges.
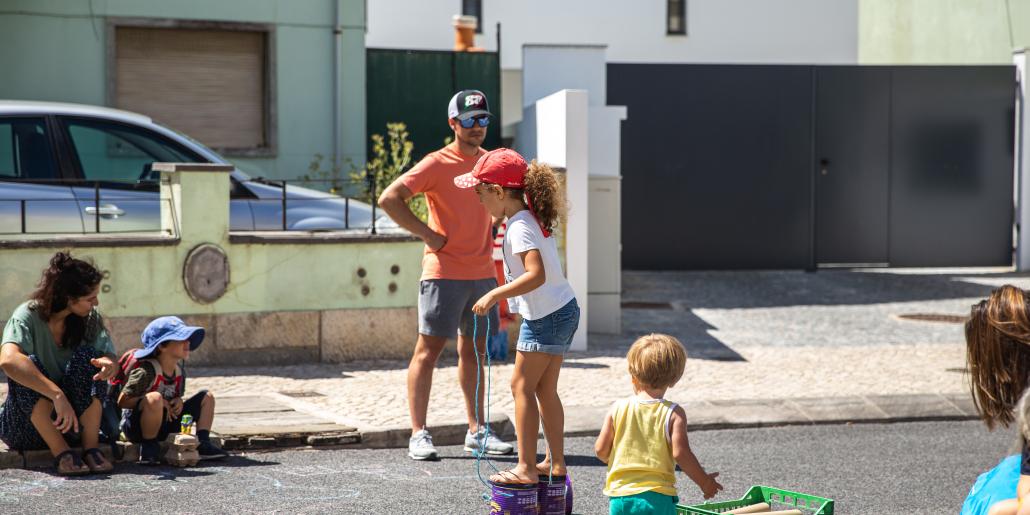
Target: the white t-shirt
(523, 234)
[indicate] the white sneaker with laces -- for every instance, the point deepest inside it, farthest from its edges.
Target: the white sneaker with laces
(420, 446)
(491, 443)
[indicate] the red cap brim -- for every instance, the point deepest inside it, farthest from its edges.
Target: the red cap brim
(466, 181)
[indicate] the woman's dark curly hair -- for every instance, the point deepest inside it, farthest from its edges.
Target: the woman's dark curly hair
(67, 278)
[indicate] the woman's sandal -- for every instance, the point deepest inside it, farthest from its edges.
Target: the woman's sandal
(509, 478)
(77, 468)
(96, 461)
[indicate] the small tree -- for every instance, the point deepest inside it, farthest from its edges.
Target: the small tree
(390, 158)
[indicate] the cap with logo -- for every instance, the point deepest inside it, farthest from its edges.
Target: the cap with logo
(468, 103)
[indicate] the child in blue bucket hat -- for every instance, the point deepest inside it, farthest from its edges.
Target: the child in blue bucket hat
(152, 396)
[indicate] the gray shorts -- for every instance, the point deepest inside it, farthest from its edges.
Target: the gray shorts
(445, 307)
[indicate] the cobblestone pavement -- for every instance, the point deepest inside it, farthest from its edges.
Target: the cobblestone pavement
(750, 335)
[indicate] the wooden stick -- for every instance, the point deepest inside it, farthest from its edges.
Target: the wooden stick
(751, 508)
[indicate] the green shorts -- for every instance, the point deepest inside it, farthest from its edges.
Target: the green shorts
(646, 503)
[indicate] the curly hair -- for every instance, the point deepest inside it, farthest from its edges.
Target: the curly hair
(998, 353)
(543, 194)
(65, 279)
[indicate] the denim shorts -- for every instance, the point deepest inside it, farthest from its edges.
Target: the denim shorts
(551, 334)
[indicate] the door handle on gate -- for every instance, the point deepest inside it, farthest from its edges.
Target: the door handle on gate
(106, 211)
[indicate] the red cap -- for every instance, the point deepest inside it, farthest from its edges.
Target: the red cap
(503, 167)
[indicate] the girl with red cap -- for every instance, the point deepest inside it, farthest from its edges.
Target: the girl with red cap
(530, 197)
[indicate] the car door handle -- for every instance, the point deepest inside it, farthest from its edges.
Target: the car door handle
(106, 211)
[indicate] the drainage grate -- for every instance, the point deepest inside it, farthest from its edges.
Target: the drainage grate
(302, 393)
(646, 305)
(934, 317)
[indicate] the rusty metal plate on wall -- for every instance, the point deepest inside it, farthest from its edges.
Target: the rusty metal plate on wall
(206, 273)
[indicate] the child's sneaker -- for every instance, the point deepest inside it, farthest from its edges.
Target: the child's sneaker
(491, 444)
(210, 451)
(420, 446)
(150, 453)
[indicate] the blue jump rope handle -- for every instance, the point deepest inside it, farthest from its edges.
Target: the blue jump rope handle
(481, 451)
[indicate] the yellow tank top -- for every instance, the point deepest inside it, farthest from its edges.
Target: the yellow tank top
(641, 457)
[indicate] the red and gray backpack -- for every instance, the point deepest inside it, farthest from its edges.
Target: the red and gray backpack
(128, 362)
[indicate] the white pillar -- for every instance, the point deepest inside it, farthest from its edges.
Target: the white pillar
(1022, 162)
(562, 140)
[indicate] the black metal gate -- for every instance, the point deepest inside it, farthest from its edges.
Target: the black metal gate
(741, 166)
(413, 86)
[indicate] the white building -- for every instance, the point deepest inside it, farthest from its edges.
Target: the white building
(640, 31)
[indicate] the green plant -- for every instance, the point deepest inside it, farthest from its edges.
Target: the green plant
(333, 176)
(391, 156)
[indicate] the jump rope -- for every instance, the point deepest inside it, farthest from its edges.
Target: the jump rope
(482, 436)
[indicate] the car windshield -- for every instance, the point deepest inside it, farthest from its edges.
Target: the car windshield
(245, 173)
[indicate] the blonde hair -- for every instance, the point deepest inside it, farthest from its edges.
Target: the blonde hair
(1022, 422)
(657, 360)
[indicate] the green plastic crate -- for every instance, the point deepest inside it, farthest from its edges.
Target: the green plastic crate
(777, 499)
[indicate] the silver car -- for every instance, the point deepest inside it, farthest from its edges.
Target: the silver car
(67, 168)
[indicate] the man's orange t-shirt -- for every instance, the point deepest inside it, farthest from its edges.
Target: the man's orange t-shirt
(455, 213)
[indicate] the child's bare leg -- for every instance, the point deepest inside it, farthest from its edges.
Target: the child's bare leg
(1022, 508)
(207, 412)
(529, 368)
(44, 425)
(89, 425)
(1007, 507)
(152, 415)
(552, 416)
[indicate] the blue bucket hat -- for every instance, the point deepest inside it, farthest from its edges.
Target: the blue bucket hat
(166, 329)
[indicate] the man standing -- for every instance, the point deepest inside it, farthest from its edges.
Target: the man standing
(457, 269)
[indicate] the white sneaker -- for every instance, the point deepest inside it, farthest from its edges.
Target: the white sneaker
(420, 446)
(491, 444)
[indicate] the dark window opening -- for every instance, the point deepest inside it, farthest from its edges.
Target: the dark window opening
(676, 17)
(474, 8)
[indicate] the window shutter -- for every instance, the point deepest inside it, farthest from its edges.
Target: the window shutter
(209, 84)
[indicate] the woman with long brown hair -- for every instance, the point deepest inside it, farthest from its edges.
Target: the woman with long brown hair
(998, 358)
(57, 356)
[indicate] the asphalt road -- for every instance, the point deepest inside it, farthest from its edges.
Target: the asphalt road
(924, 467)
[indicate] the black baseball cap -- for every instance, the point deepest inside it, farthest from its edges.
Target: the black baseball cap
(468, 103)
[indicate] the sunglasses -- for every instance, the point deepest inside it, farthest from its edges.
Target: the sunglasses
(469, 122)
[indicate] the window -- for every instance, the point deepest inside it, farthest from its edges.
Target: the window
(676, 17)
(210, 83)
(25, 151)
(113, 152)
(473, 8)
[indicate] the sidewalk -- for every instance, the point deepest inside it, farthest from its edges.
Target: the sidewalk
(766, 348)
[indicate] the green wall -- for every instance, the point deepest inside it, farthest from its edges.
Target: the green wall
(942, 31)
(264, 277)
(55, 50)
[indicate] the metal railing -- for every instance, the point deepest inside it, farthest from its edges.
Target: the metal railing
(334, 189)
(97, 206)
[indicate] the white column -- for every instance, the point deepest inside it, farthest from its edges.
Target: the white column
(562, 140)
(1022, 162)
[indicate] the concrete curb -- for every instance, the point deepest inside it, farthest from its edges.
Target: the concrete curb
(444, 434)
(587, 420)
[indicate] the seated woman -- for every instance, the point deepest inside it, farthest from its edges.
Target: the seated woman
(57, 355)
